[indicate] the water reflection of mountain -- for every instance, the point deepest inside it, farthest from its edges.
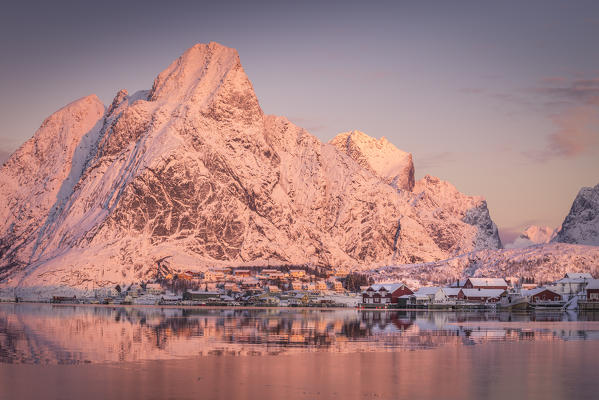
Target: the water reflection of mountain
(47, 334)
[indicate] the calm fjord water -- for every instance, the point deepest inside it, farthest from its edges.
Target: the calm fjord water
(89, 352)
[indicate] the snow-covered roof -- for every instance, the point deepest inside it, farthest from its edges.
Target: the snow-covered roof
(451, 291)
(488, 281)
(532, 292)
(390, 287)
(578, 275)
(593, 284)
(573, 280)
(427, 290)
(483, 292)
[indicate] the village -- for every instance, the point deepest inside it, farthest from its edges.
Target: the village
(312, 287)
(573, 291)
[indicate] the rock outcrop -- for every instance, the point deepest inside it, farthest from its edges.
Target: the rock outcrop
(395, 167)
(581, 225)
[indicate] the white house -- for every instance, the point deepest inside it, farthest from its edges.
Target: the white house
(154, 288)
(571, 284)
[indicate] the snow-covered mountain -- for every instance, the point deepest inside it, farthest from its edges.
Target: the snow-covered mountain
(581, 225)
(542, 262)
(542, 253)
(539, 234)
(194, 172)
(392, 165)
(532, 235)
(455, 222)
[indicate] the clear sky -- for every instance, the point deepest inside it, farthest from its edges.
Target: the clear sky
(501, 98)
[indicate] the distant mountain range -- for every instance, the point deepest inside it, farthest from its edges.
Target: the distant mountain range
(193, 173)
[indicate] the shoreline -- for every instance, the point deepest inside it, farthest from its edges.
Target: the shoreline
(219, 307)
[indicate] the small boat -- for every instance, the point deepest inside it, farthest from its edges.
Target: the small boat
(513, 301)
(548, 305)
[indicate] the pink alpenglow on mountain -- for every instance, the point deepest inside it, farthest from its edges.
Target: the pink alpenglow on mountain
(533, 235)
(381, 157)
(193, 172)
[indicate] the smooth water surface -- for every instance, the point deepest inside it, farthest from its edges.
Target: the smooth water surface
(87, 352)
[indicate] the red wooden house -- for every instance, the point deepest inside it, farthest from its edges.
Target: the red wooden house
(384, 293)
(592, 290)
(540, 295)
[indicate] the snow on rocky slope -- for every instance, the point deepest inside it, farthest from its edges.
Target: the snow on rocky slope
(581, 225)
(192, 171)
(543, 262)
(392, 165)
(532, 235)
(456, 222)
(38, 178)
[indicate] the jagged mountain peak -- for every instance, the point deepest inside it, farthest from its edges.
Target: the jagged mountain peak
(581, 225)
(444, 205)
(533, 235)
(443, 191)
(392, 165)
(200, 74)
(538, 234)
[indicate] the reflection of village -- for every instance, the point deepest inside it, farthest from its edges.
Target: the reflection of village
(38, 333)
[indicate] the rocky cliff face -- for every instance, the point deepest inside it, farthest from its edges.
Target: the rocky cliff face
(193, 171)
(455, 222)
(459, 223)
(581, 225)
(395, 167)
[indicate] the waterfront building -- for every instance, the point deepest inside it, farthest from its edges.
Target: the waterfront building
(541, 294)
(197, 295)
(154, 288)
(385, 293)
(592, 290)
(485, 283)
(572, 284)
(481, 295)
(448, 293)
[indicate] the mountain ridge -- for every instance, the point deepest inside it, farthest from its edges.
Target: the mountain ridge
(194, 171)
